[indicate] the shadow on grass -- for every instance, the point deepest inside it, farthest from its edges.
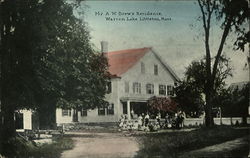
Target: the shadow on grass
(170, 145)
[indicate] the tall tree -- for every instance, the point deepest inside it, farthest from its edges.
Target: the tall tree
(233, 15)
(189, 93)
(46, 60)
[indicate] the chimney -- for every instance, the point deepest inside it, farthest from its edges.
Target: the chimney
(104, 46)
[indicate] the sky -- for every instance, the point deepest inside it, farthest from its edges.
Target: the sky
(177, 36)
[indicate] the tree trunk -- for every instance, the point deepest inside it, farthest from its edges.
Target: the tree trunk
(8, 128)
(209, 120)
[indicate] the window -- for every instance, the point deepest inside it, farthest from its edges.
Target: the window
(156, 69)
(66, 112)
(126, 87)
(170, 90)
(101, 110)
(110, 109)
(162, 89)
(150, 88)
(84, 112)
(109, 87)
(142, 68)
(137, 88)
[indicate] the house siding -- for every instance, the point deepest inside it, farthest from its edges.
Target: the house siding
(118, 93)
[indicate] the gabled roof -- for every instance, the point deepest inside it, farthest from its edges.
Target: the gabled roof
(167, 67)
(121, 61)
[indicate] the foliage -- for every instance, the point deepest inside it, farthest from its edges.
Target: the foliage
(173, 144)
(25, 148)
(46, 60)
(189, 93)
(236, 101)
(163, 104)
(233, 15)
(189, 97)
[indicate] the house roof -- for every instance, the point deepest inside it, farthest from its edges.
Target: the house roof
(121, 61)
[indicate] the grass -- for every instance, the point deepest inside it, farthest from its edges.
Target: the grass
(27, 149)
(172, 144)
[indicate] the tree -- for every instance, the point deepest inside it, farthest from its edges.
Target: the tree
(46, 61)
(234, 102)
(232, 14)
(189, 92)
(189, 97)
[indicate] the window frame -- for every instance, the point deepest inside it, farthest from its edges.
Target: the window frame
(84, 112)
(101, 111)
(137, 88)
(143, 70)
(66, 112)
(126, 87)
(170, 90)
(156, 69)
(162, 88)
(110, 111)
(109, 87)
(150, 88)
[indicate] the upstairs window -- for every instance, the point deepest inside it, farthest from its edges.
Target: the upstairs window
(126, 87)
(110, 109)
(170, 90)
(109, 87)
(162, 89)
(142, 68)
(136, 88)
(156, 69)
(66, 112)
(150, 89)
(84, 112)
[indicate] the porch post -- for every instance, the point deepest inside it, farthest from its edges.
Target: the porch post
(128, 109)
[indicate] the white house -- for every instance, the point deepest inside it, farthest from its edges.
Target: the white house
(137, 75)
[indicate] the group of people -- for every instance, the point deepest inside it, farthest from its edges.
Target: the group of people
(144, 123)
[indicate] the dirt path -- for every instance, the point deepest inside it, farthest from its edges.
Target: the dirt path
(102, 145)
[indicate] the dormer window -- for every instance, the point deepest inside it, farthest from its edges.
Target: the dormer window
(142, 68)
(156, 69)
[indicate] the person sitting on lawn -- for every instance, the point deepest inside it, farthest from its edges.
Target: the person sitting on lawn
(158, 118)
(143, 119)
(146, 119)
(139, 121)
(121, 121)
(181, 117)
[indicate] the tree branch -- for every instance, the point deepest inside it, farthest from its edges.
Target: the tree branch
(203, 15)
(222, 42)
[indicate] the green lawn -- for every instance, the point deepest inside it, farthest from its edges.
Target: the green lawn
(172, 144)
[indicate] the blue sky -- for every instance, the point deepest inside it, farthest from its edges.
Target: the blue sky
(179, 40)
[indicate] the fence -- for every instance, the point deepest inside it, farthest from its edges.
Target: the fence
(217, 121)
